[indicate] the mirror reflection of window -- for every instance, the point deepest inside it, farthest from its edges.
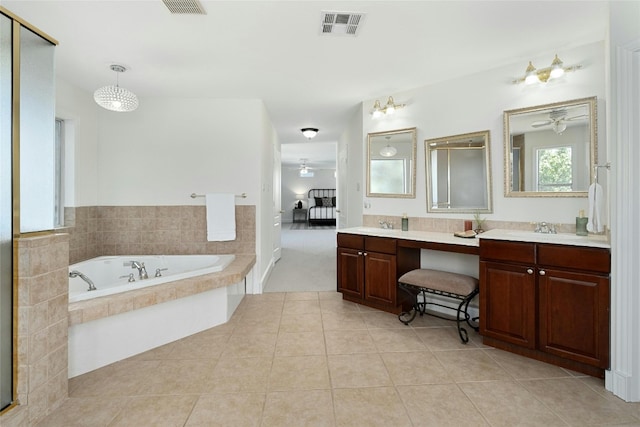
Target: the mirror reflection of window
(388, 176)
(555, 169)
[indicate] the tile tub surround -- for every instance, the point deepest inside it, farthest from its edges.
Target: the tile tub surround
(152, 230)
(42, 325)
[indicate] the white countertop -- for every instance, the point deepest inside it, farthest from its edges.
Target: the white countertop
(421, 236)
(596, 241)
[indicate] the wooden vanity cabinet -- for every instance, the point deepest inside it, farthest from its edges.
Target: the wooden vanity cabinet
(547, 301)
(367, 271)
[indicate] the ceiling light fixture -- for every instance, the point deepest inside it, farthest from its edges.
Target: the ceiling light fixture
(389, 108)
(309, 132)
(116, 98)
(533, 75)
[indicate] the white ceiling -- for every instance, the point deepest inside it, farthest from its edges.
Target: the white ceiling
(273, 50)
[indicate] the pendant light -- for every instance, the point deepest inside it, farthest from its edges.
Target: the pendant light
(116, 98)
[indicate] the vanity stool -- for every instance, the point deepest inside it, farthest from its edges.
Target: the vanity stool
(452, 285)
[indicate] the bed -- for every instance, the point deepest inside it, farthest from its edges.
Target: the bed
(322, 206)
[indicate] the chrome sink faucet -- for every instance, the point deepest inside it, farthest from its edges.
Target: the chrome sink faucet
(544, 228)
(387, 225)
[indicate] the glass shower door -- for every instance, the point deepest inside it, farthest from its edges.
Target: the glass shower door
(6, 217)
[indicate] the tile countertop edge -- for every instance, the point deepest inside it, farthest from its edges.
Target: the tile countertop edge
(421, 236)
(568, 239)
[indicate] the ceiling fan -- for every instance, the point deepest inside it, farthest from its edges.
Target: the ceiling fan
(557, 119)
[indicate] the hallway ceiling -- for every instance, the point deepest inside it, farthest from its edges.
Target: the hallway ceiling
(273, 50)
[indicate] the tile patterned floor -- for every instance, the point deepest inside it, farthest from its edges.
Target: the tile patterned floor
(312, 359)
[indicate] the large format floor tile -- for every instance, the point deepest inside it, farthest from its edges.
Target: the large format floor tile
(310, 358)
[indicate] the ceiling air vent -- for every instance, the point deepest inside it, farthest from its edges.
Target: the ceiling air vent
(341, 23)
(185, 7)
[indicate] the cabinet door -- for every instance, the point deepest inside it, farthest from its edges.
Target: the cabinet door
(350, 272)
(574, 316)
(507, 303)
(380, 278)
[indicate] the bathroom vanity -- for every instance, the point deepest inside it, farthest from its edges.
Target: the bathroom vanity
(370, 261)
(547, 297)
(544, 296)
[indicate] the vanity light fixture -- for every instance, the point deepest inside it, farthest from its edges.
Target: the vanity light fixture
(389, 108)
(543, 75)
(309, 132)
(116, 98)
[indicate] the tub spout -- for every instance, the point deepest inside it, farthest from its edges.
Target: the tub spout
(76, 273)
(142, 270)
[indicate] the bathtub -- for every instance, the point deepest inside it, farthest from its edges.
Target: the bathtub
(110, 274)
(120, 332)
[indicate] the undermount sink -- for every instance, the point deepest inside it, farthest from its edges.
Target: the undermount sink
(547, 236)
(376, 230)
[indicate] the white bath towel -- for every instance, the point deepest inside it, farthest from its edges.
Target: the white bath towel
(596, 209)
(221, 217)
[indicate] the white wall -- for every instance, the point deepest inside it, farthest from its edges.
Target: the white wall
(292, 184)
(169, 148)
(350, 160)
(624, 134)
(80, 113)
(475, 103)
(263, 147)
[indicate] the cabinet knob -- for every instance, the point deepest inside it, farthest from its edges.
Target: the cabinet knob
(542, 272)
(365, 254)
(359, 252)
(529, 271)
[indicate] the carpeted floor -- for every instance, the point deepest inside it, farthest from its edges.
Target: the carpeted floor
(308, 261)
(306, 226)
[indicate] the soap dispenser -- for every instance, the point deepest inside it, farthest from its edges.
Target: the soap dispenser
(581, 224)
(405, 222)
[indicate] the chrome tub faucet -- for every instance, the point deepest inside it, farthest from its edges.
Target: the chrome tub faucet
(142, 270)
(76, 273)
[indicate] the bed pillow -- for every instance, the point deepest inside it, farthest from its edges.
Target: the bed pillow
(327, 202)
(318, 201)
(333, 200)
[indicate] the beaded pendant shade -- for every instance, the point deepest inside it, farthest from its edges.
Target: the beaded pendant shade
(116, 98)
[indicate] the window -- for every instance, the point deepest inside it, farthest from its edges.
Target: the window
(555, 169)
(58, 215)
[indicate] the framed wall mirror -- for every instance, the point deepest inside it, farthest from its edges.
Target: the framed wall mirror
(391, 158)
(459, 173)
(550, 150)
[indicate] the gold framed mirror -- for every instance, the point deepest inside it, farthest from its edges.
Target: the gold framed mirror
(391, 158)
(550, 150)
(458, 173)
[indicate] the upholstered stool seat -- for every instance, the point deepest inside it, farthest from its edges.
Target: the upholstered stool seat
(424, 281)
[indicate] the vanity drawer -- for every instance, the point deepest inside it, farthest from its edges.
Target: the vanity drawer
(575, 258)
(500, 250)
(352, 241)
(380, 244)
